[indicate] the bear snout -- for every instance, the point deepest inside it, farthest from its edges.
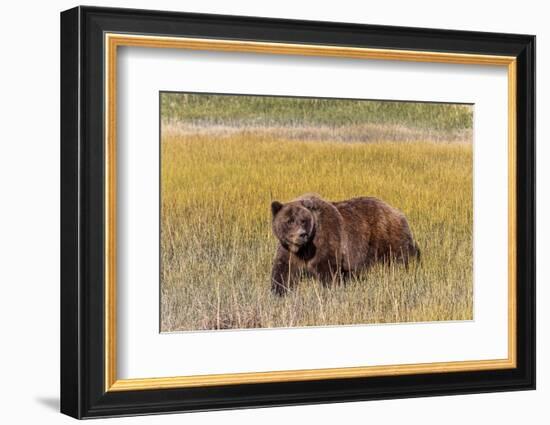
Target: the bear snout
(300, 237)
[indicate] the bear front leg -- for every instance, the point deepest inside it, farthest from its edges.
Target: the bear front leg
(284, 274)
(327, 272)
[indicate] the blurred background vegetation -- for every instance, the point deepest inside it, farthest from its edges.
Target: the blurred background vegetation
(265, 111)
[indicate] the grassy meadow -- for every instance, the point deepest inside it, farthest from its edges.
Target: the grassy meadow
(225, 158)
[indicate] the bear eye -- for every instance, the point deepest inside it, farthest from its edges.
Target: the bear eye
(289, 220)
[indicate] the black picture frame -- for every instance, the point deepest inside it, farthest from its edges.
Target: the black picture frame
(83, 392)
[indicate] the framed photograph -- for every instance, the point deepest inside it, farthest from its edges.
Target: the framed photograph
(260, 212)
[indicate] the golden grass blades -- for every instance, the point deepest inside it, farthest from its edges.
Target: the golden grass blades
(217, 246)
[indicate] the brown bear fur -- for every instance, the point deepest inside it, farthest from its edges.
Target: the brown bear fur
(330, 240)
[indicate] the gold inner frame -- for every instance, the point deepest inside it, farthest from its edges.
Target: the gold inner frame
(113, 41)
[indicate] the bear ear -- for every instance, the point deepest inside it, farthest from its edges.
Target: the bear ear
(276, 207)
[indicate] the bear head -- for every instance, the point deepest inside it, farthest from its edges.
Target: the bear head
(293, 224)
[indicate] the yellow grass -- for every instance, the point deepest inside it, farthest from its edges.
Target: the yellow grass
(217, 246)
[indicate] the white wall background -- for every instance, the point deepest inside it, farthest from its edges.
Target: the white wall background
(29, 213)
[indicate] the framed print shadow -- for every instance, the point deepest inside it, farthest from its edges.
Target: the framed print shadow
(261, 212)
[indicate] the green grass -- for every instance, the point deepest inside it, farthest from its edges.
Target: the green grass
(264, 111)
(217, 246)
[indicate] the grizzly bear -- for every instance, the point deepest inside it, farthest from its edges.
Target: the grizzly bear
(331, 240)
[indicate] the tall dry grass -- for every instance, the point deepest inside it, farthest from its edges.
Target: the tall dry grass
(217, 246)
